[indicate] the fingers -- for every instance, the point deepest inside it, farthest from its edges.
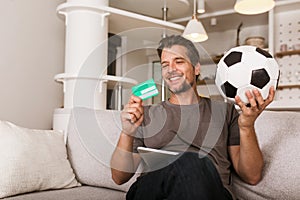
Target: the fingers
(253, 104)
(270, 96)
(256, 106)
(135, 99)
(134, 110)
(239, 102)
(256, 101)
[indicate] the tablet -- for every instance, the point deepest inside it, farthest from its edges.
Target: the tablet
(147, 150)
(157, 158)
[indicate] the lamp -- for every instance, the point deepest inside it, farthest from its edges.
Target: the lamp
(164, 17)
(252, 7)
(200, 6)
(194, 30)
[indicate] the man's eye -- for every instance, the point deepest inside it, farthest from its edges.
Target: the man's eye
(164, 66)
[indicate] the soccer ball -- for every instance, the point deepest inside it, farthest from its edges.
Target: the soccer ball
(244, 68)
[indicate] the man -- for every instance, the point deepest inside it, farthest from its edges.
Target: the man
(213, 138)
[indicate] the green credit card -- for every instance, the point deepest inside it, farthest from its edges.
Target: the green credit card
(145, 89)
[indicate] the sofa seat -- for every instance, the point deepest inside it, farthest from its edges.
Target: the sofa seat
(77, 193)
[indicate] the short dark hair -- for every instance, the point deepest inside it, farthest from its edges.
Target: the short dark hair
(172, 40)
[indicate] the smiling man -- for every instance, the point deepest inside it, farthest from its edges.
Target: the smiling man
(212, 137)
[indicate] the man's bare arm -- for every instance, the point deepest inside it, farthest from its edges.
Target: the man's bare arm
(124, 162)
(247, 158)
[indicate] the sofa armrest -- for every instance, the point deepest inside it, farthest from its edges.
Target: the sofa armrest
(278, 134)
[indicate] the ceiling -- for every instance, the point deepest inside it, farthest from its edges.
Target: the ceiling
(180, 11)
(176, 8)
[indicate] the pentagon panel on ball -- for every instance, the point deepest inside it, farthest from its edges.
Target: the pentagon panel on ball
(244, 68)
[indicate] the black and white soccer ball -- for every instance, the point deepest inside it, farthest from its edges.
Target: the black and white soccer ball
(244, 68)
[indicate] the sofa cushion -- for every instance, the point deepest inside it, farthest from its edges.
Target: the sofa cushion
(91, 140)
(278, 134)
(32, 160)
(78, 193)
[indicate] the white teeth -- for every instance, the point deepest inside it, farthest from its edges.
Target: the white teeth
(174, 78)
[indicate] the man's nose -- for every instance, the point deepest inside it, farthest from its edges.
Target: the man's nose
(172, 67)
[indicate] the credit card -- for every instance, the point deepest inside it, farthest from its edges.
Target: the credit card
(145, 89)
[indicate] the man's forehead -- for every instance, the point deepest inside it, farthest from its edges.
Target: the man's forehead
(176, 50)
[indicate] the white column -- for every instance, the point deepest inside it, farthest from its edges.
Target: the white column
(86, 31)
(85, 58)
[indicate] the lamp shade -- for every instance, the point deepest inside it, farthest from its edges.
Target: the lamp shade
(195, 31)
(200, 6)
(252, 7)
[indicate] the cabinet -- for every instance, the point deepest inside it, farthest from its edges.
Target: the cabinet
(284, 27)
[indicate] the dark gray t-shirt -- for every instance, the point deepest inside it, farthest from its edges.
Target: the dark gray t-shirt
(208, 128)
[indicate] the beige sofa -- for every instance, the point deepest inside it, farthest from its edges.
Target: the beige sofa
(92, 136)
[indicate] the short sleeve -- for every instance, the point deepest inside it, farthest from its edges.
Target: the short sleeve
(233, 126)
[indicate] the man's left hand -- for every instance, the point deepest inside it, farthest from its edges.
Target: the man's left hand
(256, 105)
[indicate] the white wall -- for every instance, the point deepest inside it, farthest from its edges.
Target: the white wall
(31, 54)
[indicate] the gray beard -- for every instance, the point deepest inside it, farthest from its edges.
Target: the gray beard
(183, 88)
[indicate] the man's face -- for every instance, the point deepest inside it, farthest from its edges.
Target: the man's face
(177, 70)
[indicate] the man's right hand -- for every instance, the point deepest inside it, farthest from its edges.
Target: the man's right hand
(132, 115)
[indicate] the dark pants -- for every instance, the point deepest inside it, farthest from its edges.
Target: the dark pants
(188, 178)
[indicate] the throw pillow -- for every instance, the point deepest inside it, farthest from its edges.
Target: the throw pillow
(32, 160)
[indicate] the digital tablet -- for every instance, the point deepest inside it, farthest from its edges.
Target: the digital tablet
(157, 158)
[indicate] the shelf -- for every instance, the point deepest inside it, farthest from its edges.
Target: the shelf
(112, 80)
(287, 87)
(287, 53)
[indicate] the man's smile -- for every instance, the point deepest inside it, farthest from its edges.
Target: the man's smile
(174, 77)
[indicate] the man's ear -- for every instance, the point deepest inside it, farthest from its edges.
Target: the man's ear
(197, 69)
